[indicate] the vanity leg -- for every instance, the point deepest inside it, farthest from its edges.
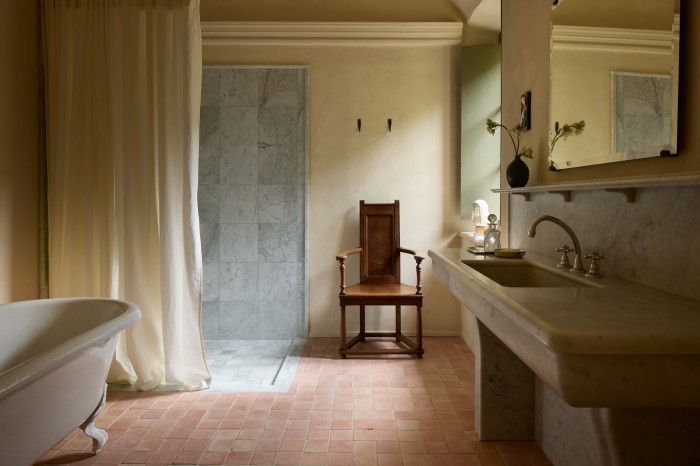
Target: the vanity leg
(505, 391)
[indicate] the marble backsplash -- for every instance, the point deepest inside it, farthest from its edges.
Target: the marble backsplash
(252, 191)
(653, 241)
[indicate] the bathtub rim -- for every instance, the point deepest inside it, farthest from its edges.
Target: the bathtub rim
(23, 373)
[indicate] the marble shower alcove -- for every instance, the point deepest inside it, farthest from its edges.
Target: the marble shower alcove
(252, 202)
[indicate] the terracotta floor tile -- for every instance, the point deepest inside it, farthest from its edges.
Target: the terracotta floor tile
(383, 411)
(263, 457)
(339, 459)
(239, 457)
(288, 458)
(213, 457)
(386, 447)
(391, 459)
(138, 457)
(364, 459)
(292, 445)
(188, 457)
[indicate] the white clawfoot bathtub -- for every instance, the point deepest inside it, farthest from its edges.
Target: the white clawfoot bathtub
(54, 357)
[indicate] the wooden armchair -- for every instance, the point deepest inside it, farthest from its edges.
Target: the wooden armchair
(380, 281)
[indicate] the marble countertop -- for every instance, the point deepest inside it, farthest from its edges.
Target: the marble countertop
(614, 316)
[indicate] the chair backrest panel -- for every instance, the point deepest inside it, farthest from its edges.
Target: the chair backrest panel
(380, 242)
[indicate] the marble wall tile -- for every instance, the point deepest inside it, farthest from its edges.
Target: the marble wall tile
(208, 169)
(278, 281)
(648, 241)
(239, 320)
(209, 203)
(239, 165)
(279, 87)
(277, 126)
(239, 242)
(238, 282)
(209, 146)
(278, 164)
(277, 204)
(239, 87)
(210, 87)
(302, 325)
(278, 242)
(238, 204)
(211, 282)
(278, 319)
(210, 320)
(209, 234)
(252, 186)
(209, 126)
(238, 126)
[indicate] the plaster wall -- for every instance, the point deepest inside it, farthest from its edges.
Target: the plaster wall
(19, 151)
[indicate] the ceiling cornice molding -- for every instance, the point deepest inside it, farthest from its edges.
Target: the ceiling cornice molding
(597, 39)
(329, 33)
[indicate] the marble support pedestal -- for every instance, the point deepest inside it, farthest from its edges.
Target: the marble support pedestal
(505, 391)
(512, 404)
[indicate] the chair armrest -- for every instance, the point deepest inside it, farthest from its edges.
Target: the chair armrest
(419, 258)
(342, 257)
(413, 252)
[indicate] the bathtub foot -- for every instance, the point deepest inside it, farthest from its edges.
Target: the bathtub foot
(99, 436)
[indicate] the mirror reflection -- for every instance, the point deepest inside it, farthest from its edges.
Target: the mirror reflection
(615, 66)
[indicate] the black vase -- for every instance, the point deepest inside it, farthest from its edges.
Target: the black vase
(517, 173)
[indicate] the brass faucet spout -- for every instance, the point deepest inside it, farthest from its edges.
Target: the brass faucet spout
(578, 266)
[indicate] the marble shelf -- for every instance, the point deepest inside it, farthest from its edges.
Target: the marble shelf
(626, 186)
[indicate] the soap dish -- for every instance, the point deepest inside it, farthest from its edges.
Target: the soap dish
(509, 253)
(478, 250)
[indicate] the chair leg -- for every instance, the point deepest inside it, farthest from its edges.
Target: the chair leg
(362, 323)
(343, 331)
(398, 323)
(419, 331)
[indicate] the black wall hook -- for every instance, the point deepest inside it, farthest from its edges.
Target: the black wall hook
(389, 123)
(359, 124)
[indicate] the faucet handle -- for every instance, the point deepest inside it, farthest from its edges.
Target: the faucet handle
(564, 261)
(594, 271)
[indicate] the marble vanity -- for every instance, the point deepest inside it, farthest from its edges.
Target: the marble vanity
(624, 356)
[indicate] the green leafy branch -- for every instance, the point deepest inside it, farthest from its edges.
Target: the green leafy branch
(514, 134)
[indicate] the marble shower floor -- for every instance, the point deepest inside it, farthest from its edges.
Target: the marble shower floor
(252, 365)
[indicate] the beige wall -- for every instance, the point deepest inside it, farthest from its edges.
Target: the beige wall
(19, 245)
(417, 163)
(526, 67)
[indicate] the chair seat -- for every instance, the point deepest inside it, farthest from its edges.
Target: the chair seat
(390, 294)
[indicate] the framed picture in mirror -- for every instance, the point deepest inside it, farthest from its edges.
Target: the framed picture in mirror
(642, 120)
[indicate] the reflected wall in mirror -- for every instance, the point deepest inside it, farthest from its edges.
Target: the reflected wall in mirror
(614, 64)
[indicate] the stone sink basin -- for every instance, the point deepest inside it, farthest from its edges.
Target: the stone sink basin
(596, 342)
(516, 273)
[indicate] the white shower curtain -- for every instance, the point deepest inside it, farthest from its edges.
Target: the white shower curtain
(123, 89)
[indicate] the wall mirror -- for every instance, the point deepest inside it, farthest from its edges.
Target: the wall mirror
(614, 64)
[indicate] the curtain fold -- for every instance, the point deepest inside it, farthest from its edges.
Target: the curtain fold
(123, 89)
